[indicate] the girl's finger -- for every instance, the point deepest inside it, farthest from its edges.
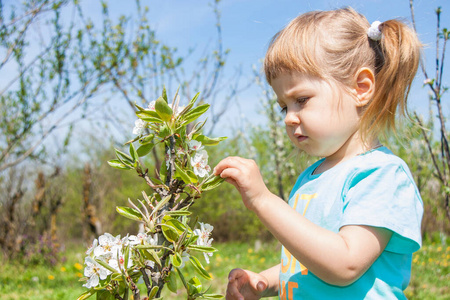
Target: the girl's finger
(229, 162)
(233, 292)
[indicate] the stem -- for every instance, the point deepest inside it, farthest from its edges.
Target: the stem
(430, 150)
(146, 281)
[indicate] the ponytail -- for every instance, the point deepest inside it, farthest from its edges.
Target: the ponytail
(397, 57)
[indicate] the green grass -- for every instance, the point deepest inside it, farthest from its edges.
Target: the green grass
(430, 279)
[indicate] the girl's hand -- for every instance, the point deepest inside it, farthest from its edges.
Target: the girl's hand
(245, 176)
(243, 284)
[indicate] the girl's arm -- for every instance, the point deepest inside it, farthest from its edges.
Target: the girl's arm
(337, 258)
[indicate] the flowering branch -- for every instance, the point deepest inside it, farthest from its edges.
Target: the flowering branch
(169, 239)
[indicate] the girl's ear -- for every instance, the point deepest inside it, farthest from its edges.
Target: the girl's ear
(364, 86)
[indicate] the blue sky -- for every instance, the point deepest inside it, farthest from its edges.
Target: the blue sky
(248, 25)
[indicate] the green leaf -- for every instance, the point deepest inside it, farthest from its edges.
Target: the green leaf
(104, 295)
(164, 94)
(192, 176)
(170, 233)
(199, 267)
(145, 149)
(140, 108)
(164, 131)
(178, 213)
(210, 141)
(115, 163)
(185, 177)
(176, 260)
(195, 113)
(148, 247)
(105, 265)
(87, 294)
(172, 282)
(146, 139)
(180, 227)
(153, 292)
(161, 204)
(194, 99)
(133, 153)
(123, 157)
(212, 296)
(212, 183)
(163, 109)
(183, 280)
(129, 213)
(149, 116)
(202, 248)
(194, 286)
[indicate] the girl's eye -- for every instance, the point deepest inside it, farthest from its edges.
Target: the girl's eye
(302, 100)
(283, 110)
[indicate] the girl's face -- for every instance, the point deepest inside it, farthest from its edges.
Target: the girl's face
(320, 118)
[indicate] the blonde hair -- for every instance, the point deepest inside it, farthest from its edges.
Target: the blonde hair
(333, 45)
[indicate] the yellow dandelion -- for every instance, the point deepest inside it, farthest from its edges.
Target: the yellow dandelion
(262, 259)
(430, 260)
(51, 277)
(448, 248)
(78, 266)
(249, 250)
(415, 260)
(79, 274)
(439, 249)
(63, 269)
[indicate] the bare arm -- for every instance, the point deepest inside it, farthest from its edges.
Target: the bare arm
(337, 258)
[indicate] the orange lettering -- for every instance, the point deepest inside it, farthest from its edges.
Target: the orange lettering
(290, 263)
(282, 291)
(291, 286)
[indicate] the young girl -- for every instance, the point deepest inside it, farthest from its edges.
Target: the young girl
(353, 218)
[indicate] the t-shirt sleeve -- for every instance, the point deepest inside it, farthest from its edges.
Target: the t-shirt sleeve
(385, 196)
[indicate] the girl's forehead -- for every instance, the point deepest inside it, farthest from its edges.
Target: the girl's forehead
(294, 80)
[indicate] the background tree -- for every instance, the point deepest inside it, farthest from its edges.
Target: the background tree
(441, 157)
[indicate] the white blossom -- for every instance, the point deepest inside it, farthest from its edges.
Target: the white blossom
(151, 105)
(94, 271)
(200, 163)
(203, 238)
(428, 81)
(107, 243)
(195, 145)
(92, 247)
(205, 230)
(139, 127)
(137, 240)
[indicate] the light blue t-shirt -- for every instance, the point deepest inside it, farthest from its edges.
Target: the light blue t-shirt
(373, 189)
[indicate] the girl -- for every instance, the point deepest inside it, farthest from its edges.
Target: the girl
(353, 218)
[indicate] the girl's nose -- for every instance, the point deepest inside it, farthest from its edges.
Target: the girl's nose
(291, 118)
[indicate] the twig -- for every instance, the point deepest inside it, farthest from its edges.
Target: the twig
(430, 150)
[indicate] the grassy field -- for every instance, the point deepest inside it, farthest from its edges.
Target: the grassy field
(430, 280)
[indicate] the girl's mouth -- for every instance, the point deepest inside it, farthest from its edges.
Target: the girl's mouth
(301, 138)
